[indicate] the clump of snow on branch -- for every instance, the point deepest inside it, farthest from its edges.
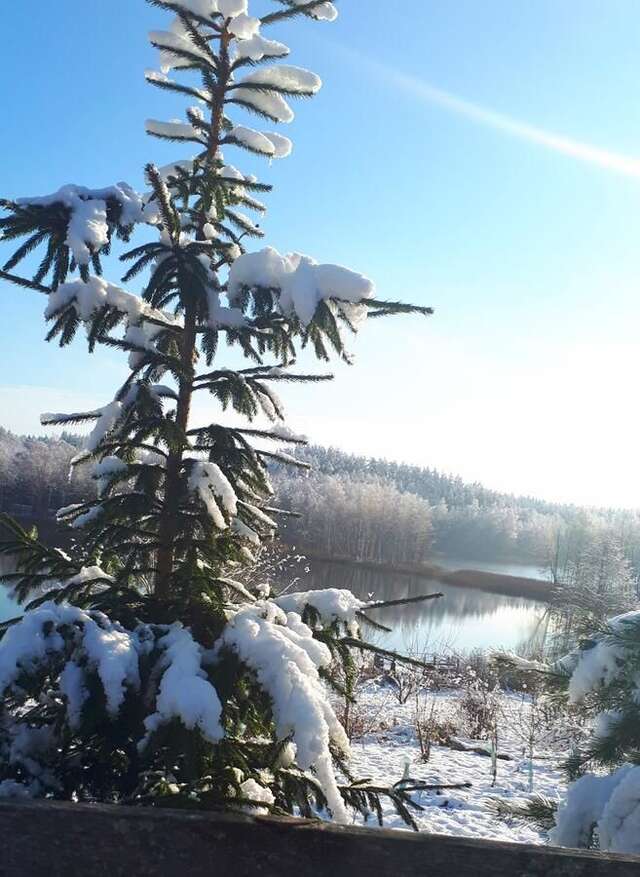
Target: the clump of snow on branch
(292, 80)
(72, 685)
(89, 574)
(594, 667)
(253, 791)
(204, 8)
(282, 146)
(285, 657)
(232, 8)
(619, 823)
(107, 419)
(253, 90)
(331, 604)
(221, 316)
(256, 48)
(106, 470)
(244, 27)
(611, 803)
(601, 661)
(89, 298)
(272, 145)
(212, 486)
(177, 37)
(112, 650)
(174, 167)
(174, 130)
(88, 231)
(323, 12)
(301, 281)
(75, 515)
(272, 105)
(185, 692)
(103, 645)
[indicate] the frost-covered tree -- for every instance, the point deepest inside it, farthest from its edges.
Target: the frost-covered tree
(143, 669)
(593, 581)
(364, 520)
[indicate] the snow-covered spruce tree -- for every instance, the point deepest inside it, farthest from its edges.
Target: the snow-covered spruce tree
(601, 680)
(143, 670)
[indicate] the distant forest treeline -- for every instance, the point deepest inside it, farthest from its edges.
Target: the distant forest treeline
(365, 509)
(380, 510)
(34, 474)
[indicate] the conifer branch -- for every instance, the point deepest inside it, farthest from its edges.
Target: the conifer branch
(291, 12)
(24, 282)
(362, 645)
(385, 604)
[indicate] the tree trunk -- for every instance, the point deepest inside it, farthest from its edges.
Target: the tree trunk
(169, 519)
(170, 516)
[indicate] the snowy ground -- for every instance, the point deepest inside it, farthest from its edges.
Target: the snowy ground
(388, 742)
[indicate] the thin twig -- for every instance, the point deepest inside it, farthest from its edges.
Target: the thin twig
(373, 623)
(407, 600)
(396, 656)
(431, 787)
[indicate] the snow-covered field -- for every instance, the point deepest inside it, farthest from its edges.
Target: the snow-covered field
(388, 748)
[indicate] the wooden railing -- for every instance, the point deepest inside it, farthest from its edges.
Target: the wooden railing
(42, 839)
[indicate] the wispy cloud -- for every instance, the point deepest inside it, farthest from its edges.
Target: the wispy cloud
(506, 124)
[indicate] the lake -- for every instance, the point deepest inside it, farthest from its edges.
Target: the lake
(463, 620)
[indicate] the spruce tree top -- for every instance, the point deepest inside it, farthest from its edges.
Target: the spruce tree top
(177, 503)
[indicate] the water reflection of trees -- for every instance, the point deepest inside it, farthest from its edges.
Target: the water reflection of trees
(432, 621)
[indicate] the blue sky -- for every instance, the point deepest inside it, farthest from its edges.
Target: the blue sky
(526, 377)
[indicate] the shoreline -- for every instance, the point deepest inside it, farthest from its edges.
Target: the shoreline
(497, 583)
(481, 580)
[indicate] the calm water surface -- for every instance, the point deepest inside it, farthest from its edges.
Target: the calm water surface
(462, 620)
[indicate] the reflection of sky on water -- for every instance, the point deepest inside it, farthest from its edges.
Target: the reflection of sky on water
(462, 620)
(528, 571)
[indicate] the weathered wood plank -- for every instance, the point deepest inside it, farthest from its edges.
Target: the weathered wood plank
(38, 839)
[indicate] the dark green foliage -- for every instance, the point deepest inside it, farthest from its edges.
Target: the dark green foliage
(539, 810)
